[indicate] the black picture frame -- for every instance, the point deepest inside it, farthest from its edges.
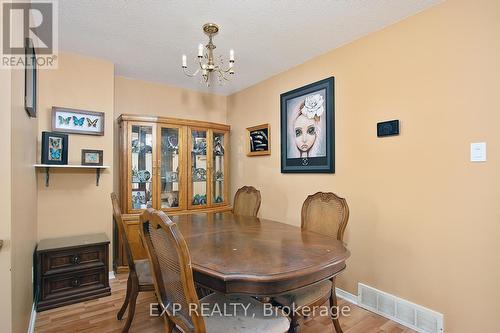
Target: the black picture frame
(322, 161)
(59, 157)
(92, 151)
(30, 78)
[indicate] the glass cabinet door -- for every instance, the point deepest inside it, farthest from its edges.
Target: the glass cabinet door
(218, 168)
(171, 169)
(197, 197)
(141, 166)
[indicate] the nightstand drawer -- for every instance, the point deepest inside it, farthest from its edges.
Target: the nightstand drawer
(73, 287)
(58, 261)
(72, 283)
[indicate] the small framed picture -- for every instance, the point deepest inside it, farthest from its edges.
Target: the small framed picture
(77, 121)
(54, 148)
(91, 157)
(259, 140)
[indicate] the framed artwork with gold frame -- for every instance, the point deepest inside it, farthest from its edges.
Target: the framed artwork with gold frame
(259, 140)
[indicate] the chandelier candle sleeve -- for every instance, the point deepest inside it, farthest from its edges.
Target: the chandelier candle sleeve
(231, 55)
(184, 61)
(200, 50)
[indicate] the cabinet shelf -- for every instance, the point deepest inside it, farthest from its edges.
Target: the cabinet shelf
(47, 167)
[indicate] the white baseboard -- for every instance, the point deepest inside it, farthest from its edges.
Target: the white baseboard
(111, 275)
(31, 327)
(347, 296)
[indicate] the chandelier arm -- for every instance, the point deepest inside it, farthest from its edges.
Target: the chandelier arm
(189, 74)
(222, 75)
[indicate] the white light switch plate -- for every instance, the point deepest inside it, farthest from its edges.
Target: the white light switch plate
(478, 152)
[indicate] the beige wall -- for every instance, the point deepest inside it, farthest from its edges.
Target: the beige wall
(72, 204)
(18, 203)
(148, 98)
(24, 198)
(5, 200)
(424, 220)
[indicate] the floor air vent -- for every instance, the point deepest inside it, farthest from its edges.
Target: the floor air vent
(406, 313)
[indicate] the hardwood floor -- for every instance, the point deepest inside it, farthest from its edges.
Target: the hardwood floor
(99, 316)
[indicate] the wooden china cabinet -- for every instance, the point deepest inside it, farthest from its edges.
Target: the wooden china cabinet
(176, 165)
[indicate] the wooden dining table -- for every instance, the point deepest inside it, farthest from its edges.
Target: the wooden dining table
(236, 254)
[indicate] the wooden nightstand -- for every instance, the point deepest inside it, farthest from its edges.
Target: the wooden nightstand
(71, 270)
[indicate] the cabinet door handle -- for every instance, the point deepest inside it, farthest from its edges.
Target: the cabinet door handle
(75, 283)
(75, 260)
(1, 243)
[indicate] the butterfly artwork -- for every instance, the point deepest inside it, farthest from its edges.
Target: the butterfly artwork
(55, 154)
(64, 120)
(78, 121)
(92, 123)
(55, 149)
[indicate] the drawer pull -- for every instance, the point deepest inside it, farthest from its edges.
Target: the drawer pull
(75, 283)
(75, 260)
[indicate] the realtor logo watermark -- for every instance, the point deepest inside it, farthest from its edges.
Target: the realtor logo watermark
(236, 308)
(29, 34)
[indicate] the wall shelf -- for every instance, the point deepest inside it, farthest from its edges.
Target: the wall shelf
(47, 167)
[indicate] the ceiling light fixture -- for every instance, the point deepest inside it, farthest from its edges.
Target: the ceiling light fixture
(206, 59)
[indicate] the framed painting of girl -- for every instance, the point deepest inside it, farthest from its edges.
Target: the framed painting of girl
(308, 129)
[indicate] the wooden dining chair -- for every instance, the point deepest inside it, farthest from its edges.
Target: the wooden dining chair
(175, 288)
(327, 214)
(246, 201)
(139, 277)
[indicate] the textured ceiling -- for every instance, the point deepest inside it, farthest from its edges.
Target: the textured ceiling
(146, 38)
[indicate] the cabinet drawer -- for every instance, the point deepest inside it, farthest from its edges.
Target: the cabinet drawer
(64, 260)
(68, 284)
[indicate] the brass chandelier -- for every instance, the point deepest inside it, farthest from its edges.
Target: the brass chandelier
(208, 64)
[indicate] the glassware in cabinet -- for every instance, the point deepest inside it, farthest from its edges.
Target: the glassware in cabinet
(219, 168)
(198, 168)
(142, 167)
(170, 168)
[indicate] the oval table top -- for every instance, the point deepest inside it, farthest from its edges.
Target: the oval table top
(248, 255)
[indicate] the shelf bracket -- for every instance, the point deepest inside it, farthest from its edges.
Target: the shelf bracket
(97, 176)
(47, 176)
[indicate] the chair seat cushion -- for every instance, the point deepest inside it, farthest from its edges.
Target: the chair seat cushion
(307, 295)
(254, 320)
(143, 271)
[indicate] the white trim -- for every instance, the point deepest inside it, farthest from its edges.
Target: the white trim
(31, 327)
(111, 275)
(346, 296)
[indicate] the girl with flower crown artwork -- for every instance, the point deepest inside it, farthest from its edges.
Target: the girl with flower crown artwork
(308, 128)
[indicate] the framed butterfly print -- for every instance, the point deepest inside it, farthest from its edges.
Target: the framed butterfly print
(92, 157)
(54, 148)
(77, 121)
